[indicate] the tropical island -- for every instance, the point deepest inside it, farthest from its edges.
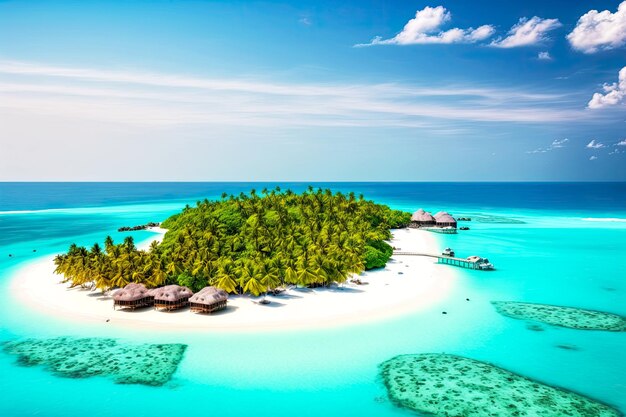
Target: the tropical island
(248, 243)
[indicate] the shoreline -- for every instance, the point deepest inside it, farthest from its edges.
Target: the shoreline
(406, 285)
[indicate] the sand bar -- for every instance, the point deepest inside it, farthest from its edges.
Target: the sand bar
(407, 284)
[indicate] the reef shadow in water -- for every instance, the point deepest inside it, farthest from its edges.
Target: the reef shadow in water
(488, 218)
(570, 317)
(444, 385)
(146, 364)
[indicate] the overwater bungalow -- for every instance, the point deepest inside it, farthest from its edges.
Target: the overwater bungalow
(480, 263)
(208, 300)
(444, 219)
(171, 297)
(133, 296)
(422, 218)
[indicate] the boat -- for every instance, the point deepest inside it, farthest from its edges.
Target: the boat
(464, 228)
(448, 252)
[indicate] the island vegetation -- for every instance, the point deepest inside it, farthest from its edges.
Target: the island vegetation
(139, 227)
(248, 243)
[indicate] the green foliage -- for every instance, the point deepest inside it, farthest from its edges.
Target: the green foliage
(248, 243)
(377, 253)
(194, 283)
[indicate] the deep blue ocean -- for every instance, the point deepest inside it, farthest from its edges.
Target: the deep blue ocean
(555, 243)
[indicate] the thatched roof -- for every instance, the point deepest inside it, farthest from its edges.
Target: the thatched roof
(445, 218)
(439, 214)
(422, 216)
(208, 296)
(131, 292)
(171, 293)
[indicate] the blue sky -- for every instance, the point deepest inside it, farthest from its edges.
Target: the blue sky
(378, 90)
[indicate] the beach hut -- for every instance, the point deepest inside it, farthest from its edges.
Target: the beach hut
(444, 219)
(133, 296)
(208, 300)
(422, 218)
(171, 297)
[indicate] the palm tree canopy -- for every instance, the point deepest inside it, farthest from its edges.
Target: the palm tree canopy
(250, 242)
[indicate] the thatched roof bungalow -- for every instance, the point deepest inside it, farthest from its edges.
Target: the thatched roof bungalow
(208, 300)
(444, 219)
(133, 296)
(171, 297)
(422, 218)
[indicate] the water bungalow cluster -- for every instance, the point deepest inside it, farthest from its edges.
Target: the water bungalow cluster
(442, 222)
(170, 297)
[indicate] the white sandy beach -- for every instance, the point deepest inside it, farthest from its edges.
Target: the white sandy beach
(406, 284)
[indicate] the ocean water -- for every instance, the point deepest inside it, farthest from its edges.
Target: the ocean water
(540, 237)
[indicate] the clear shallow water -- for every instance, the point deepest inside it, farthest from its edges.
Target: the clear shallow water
(553, 257)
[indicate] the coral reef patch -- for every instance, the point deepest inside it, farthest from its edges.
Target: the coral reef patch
(573, 318)
(452, 386)
(487, 218)
(147, 364)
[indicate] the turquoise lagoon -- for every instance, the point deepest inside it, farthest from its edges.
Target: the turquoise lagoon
(547, 255)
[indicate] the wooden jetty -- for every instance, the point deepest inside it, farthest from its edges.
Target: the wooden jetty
(473, 262)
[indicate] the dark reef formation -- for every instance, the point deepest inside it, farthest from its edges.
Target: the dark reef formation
(452, 386)
(570, 317)
(147, 364)
(488, 218)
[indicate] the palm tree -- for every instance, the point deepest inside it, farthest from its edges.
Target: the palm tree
(246, 243)
(269, 276)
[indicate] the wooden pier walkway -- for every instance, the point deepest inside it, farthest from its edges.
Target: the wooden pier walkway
(447, 260)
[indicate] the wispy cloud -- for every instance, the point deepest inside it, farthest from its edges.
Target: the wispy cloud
(426, 28)
(141, 97)
(527, 32)
(593, 158)
(559, 143)
(613, 93)
(596, 31)
(556, 144)
(544, 56)
(619, 147)
(594, 144)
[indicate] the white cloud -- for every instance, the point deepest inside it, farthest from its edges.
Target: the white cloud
(614, 93)
(556, 144)
(594, 145)
(154, 98)
(597, 31)
(544, 56)
(621, 143)
(527, 32)
(593, 158)
(305, 21)
(425, 28)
